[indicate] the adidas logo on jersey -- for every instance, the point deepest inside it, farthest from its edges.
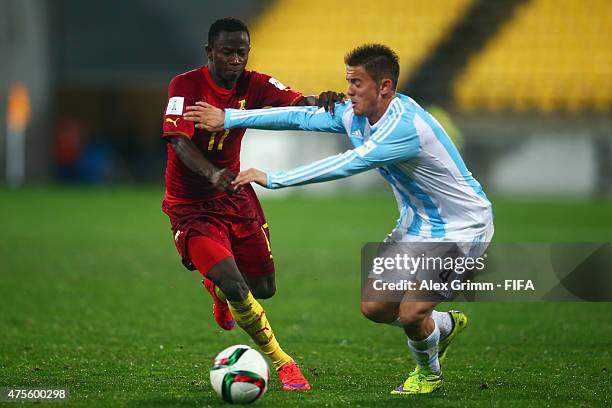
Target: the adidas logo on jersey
(357, 134)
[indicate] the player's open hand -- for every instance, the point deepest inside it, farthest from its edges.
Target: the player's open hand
(249, 176)
(328, 99)
(205, 116)
(222, 180)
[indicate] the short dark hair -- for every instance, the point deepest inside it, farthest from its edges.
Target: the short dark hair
(378, 60)
(230, 24)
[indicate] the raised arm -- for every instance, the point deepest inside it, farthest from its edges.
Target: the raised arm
(288, 118)
(393, 144)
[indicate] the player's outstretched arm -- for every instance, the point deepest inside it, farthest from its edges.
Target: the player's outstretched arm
(194, 160)
(309, 118)
(211, 118)
(287, 118)
(251, 176)
(390, 145)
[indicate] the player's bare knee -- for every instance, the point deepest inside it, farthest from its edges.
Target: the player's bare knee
(234, 289)
(264, 291)
(378, 312)
(262, 287)
(228, 278)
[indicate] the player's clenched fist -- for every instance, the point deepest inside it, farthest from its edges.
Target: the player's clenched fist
(251, 175)
(205, 116)
(222, 180)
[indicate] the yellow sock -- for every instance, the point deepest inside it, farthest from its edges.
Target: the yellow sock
(252, 318)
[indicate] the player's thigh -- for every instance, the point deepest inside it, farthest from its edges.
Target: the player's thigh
(254, 258)
(190, 220)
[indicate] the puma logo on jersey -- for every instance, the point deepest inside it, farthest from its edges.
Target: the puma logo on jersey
(176, 236)
(173, 121)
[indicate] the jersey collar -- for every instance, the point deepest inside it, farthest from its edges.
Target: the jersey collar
(213, 85)
(383, 117)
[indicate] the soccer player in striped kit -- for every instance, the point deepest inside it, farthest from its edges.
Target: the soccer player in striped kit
(438, 198)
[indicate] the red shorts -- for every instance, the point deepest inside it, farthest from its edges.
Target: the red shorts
(236, 222)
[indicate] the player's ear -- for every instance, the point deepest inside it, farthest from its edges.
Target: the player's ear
(386, 86)
(208, 50)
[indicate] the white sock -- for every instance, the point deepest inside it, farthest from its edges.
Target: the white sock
(444, 322)
(425, 351)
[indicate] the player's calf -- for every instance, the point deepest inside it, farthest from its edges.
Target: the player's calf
(251, 317)
(423, 334)
(415, 318)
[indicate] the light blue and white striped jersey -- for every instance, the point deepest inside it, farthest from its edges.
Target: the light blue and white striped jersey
(436, 194)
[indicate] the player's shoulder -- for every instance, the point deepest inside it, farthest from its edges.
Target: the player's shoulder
(259, 78)
(403, 110)
(406, 104)
(254, 75)
(191, 77)
(397, 124)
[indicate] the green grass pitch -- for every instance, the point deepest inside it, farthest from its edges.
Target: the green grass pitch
(94, 298)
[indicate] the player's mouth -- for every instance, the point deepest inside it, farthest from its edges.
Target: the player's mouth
(234, 71)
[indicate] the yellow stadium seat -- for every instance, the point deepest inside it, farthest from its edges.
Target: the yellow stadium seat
(551, 55)
(303, 43)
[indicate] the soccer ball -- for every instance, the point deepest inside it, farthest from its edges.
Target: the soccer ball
(239, 375)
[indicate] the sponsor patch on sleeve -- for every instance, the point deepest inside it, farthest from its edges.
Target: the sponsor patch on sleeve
(365, 148)
(175, 105)
(277, 83)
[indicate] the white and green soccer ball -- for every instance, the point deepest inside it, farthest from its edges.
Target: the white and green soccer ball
(239, 375)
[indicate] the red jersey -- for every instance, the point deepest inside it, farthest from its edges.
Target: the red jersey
(252, 91)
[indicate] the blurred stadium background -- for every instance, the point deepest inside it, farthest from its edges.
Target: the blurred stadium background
(525, 85)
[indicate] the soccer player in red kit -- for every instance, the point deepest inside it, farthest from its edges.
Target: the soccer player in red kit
(217, 230)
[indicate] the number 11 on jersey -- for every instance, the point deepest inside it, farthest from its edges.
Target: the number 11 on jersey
(213, 135)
